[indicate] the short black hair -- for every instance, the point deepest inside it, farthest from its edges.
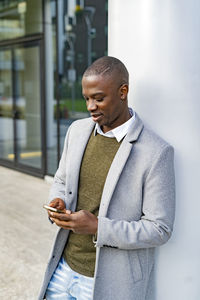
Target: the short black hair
(108, 66)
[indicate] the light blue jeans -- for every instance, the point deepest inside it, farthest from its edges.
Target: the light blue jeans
(65, 284)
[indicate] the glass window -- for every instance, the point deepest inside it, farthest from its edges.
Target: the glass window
(6, 106)
(19, 18)
(84, 40)
(76, 35)
(28, 106)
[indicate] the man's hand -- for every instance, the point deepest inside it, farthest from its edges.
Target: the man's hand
(82, 222)
(57, 203)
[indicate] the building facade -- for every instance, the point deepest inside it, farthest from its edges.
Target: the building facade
(45, 46)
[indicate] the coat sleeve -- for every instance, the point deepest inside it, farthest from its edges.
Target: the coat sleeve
(156, 223)
(58, 187)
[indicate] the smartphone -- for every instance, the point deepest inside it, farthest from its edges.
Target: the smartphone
(52, 209)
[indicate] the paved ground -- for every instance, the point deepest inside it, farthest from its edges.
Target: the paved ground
(26, 234)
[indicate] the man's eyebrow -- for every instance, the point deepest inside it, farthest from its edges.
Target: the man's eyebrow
(98, 93)
(95, 94)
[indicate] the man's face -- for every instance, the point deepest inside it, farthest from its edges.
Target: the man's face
(104, 100)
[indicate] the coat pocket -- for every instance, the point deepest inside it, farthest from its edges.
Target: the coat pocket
(135, 265)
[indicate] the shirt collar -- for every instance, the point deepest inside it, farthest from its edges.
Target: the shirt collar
(118, 132)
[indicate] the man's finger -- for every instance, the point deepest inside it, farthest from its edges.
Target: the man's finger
(61, 216)
(63, 224)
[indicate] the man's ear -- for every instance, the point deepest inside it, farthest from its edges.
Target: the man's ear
(124, 91)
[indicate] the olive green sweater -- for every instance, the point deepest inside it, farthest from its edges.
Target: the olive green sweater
(80, 252)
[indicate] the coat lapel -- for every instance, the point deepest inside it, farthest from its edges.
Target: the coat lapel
(118, 165)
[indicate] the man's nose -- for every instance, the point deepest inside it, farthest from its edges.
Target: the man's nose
(91, 105)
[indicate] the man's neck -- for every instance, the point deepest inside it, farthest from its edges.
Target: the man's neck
(127, 116)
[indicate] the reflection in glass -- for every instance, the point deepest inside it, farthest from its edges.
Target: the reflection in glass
(76, 35)
(84, 40)
(19, 18)
(28, 117)
(6, 106)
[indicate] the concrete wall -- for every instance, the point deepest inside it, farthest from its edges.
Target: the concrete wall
(159, 41)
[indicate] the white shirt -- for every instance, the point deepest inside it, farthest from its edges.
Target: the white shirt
(118, 132)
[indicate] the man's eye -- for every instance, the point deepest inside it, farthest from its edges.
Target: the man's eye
(99, 99)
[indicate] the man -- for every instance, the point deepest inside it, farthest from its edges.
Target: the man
(115, 183)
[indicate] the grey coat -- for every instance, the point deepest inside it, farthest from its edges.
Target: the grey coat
(136, 211)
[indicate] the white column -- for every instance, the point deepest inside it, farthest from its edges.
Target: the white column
(159, 41)
(49, 84)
